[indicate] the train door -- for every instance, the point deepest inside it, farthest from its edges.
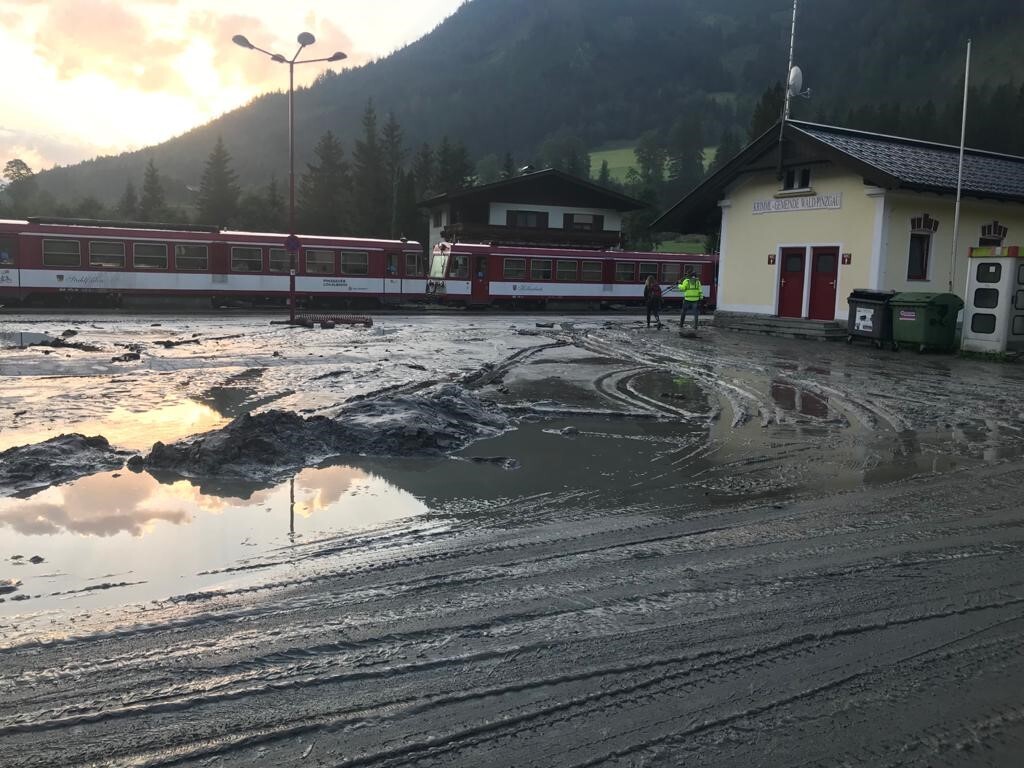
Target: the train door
(824, 276)
(791, 282)
(10, 275)
(392, 276)
(480, 293)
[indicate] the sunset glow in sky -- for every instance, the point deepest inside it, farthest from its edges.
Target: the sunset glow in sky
(92, 77)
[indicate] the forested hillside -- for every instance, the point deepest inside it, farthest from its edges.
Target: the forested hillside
(516, 76)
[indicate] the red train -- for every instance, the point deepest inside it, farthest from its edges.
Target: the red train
(80, 261)
(483, 275)
(94, 261)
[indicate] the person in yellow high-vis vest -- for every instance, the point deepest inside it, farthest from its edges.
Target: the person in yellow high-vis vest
(693, 294)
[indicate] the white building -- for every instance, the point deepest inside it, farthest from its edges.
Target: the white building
(851, 210)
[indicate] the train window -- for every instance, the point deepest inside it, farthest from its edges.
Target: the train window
(670, 273)
(648, 268)
(514, 269)
(625, 271)
(193, 258)
(150, 256)
(459, 266)
(566, 270)
(591, 271)
(280, 260)
(62, 253)
(698, 269)
(415, 265)
(246, 259)
(540, 269)
(355, 263)
(106, 254)
(319, 262)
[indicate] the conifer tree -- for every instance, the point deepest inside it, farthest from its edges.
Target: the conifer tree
(423, 171)
(768, 110)
(128, 205)
(393, 153)
(153, 203)
(508, 169)
(728, 147)
(604, 176)
(218, 190)
(686, 154)
(369, 187)
(325, 191)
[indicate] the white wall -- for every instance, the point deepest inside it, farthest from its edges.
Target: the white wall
(499, 214)
(435, 232)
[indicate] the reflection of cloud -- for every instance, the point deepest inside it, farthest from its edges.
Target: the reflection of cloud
(97, 505)
(319, 488)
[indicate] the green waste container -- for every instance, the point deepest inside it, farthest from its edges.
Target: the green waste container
(925, 320)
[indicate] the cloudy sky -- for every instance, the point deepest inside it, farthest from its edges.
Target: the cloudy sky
(91, 77)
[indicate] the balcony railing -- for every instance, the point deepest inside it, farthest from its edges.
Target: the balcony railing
(555, 238)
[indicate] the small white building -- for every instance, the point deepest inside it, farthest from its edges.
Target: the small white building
(847, 209)
(543, 208)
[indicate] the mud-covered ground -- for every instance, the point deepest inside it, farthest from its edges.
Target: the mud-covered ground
(471, 540)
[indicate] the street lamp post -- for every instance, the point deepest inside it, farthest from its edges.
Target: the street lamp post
(292, 241)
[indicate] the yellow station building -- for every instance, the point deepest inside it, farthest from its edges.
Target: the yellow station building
(807, 219)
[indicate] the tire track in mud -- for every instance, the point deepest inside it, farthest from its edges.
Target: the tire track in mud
(574, 643)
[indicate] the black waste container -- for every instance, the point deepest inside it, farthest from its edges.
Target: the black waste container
(870, 317)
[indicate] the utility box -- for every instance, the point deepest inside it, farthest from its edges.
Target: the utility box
(925, 320)
(994, 311)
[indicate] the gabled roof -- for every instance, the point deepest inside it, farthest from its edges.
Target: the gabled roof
(891, 162)
(549, 181)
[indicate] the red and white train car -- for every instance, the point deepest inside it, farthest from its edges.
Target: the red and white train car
(44, 259)
(483, 275)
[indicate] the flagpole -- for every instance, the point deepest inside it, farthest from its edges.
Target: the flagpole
(960, 170)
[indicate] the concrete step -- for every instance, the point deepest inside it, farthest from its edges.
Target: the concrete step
(788, 327)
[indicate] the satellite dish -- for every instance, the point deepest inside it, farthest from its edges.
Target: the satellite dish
(796, 81)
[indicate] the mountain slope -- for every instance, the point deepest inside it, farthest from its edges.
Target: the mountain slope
(503, 74)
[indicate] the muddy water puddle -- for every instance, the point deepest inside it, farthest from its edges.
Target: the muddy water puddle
(125, 428)
(118, 537)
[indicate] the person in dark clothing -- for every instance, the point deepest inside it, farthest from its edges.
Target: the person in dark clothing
(652, 295)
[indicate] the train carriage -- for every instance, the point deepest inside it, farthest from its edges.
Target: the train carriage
(68, 260)
(479, 275)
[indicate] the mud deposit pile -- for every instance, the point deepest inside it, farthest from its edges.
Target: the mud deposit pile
(434, 421)
(29, 467)
(723, 551)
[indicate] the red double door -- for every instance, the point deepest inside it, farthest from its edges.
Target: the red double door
(824, 279)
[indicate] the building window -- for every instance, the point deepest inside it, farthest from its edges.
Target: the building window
(106, 254)
(527, 219)
(436, 218)
(648, 268)
(796, 178)
(191, 258)
(62, 253)
(246, 259)
(992, 234)
(591, 271)
(583, 222)
(280, 260)
(355, 263)
(319, 262)
(921, 230)
(150, 256)
(514, 269)
(566, 270)
(625, 271)
(540, 269)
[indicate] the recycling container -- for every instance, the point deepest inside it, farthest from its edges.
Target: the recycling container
(925, 320)
(870, 317)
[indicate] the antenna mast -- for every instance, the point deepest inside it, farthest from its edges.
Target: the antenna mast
(785, 104)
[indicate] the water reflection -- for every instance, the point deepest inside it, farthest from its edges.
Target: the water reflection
(133, 430)
(792, 398)
(171, 536)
